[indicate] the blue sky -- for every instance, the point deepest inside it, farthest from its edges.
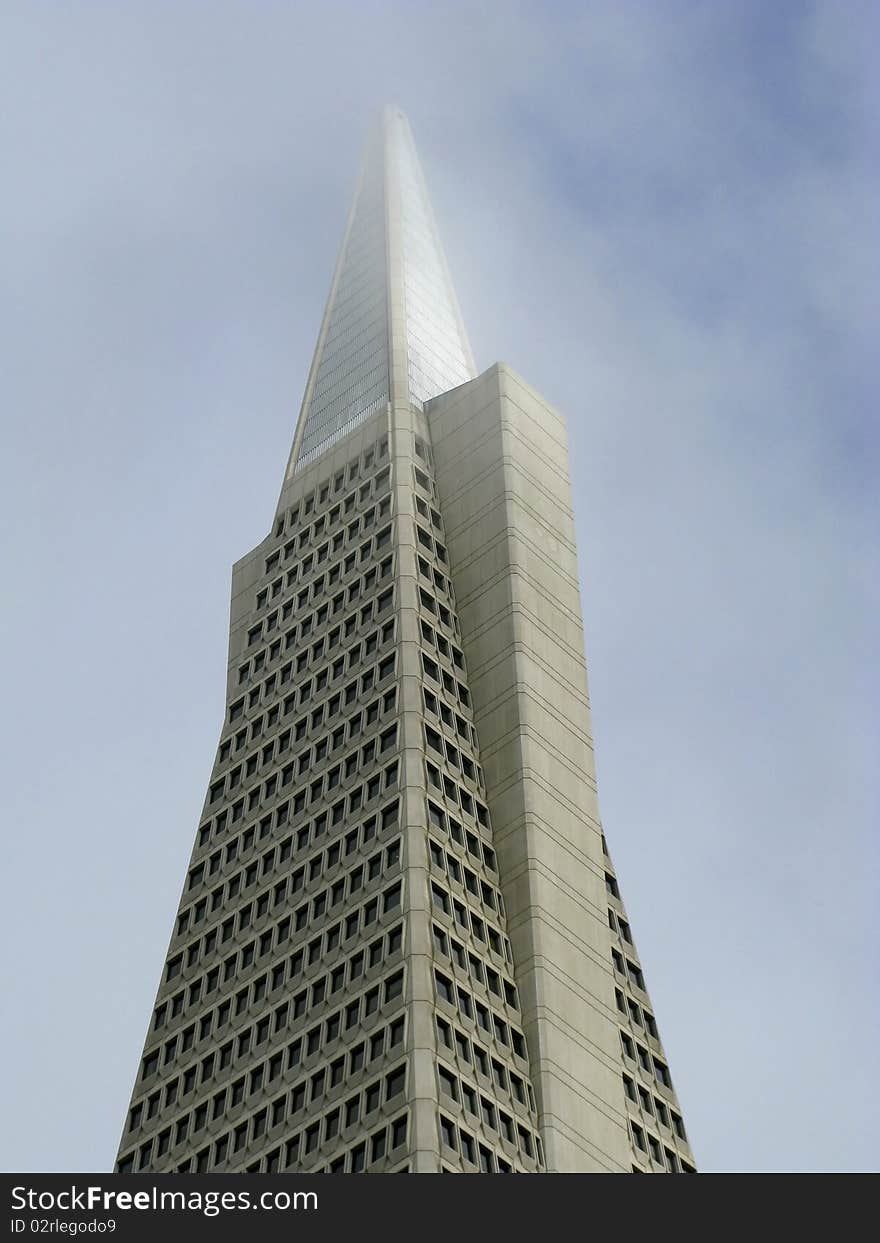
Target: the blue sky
(664, 216)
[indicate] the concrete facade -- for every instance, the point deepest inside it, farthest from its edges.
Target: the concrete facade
(400, 945)
(502, 475)
(503, 482)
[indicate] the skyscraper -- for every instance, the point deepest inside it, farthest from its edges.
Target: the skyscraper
(401, 944)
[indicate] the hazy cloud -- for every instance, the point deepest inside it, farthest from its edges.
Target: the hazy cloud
(664, 217)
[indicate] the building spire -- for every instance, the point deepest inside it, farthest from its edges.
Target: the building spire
(392, 332)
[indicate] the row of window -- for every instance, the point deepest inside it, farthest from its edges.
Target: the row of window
(357, 1112)
(253, 912)
(305, 762)
(318, 864)
(310, 655)
(468, 921)
(636, 1013)
(654, 1068)
(309, 833)
(459, 760)
(386, 1142)
(451, 719)
(619, 925)
(428, 572)
(295, 1008)
(323, 493)
(363, 758)
(475, 886)
(455, 689)
(314, 588)
(422, 481)
(504, 1035)
(480, 972)
(626, 967)
(251, 1130)
(248, 1042)
(430, 635)
(472, 1056)
(429, 514)
(446, 649)
(453, 869)
(460, 1141)
(487, 1112)
(431, 544)
(449, 866)
(276, 937)
(320, 718)
(432, 605)
(454, 757)
(311, 563)
(359, 1009)
(343, 1069)
(319, 787)
(261, 725)
(316, 621)
(653, 1106)
(456, 794)
(354, 801)
(475, 1060)
(357, 920)
(329, 529)
(358, 722)
(321, 679)
(639, 1017)
(434, 741)
(440, 819)
(319, 949)
(431, 573)
(645, 1142)
(311, 1090)
(435, 576)
(495, 1028)
(327, 1033)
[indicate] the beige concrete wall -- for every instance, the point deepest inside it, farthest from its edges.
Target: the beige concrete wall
(502, 474)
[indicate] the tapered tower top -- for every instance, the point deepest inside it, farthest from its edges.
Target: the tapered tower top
(418, 907)
(392, 332)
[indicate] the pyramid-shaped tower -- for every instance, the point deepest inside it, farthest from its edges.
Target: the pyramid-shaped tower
(400, 944)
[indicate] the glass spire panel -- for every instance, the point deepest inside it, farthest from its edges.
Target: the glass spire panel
(351, 382)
